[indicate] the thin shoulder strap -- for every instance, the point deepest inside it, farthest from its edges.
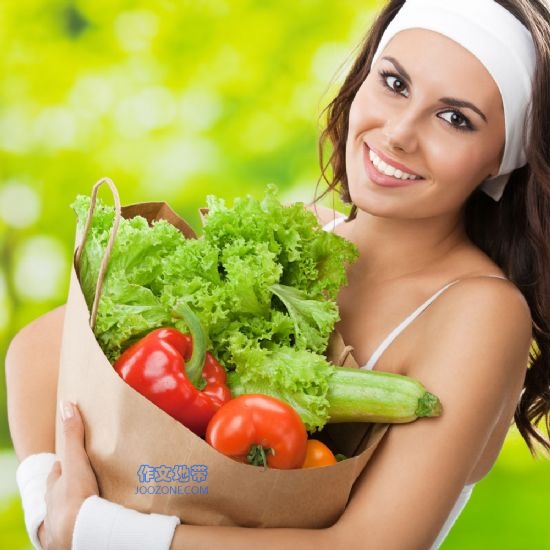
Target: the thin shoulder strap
(333, 223)
(402, 326)
(407, 321)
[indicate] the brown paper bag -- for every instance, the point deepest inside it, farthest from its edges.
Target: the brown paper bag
(146, 460)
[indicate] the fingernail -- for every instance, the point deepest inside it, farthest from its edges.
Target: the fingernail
(66, 410)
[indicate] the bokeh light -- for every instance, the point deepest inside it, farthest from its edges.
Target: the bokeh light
(41, 269)
(19, 204)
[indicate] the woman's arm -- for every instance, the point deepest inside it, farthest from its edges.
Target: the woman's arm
(32, 367)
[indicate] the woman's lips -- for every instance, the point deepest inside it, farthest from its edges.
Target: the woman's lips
(383, 179)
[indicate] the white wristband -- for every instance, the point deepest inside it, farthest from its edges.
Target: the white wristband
(104, 525)
(31, 477)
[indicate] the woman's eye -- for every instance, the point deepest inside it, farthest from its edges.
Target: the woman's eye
(456, 119)
(395, 84)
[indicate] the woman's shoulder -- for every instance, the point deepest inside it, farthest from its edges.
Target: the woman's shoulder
(475, 298)
(480, 292)
(480, 327)
(44, 331)
(50, 320)
(491, 304)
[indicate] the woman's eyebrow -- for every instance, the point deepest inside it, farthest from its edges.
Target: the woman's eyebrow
(453, 102)
(399, 68)
(450, 101)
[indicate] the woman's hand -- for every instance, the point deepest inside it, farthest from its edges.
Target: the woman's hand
(70, 482)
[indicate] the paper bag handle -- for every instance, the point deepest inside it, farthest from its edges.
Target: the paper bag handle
(110, 243)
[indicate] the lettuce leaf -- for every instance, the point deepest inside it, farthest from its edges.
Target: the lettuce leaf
(312, 318)
(299, 377)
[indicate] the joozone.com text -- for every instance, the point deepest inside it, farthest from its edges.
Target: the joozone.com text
(178, 479)
(171, 490)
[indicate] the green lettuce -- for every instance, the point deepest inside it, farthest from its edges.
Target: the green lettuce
(262, 278)
(299, 377)
(312, 318)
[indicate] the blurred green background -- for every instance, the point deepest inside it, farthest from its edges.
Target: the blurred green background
(175, 100)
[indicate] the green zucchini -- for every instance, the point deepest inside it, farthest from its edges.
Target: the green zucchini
(357, 395)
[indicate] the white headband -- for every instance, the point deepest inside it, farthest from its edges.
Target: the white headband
(502, 44)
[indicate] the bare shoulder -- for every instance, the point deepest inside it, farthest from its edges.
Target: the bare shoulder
(498, 294)
(43, 332)
(483, 309)
(47, 324)
(476, 334)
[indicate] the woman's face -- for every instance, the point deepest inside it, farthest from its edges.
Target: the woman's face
(425, 128)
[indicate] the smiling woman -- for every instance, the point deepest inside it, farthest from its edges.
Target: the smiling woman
(404, 116)
(440, 142)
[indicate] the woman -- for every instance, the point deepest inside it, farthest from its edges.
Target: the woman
(441, 143)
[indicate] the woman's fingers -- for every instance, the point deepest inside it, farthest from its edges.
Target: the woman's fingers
(75, 464)
(73, 453)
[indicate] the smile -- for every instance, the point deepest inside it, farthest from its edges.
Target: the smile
(388, 169)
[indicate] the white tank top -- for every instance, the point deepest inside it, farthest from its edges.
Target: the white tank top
(464, 495)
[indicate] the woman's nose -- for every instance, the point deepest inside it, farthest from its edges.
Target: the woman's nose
(400, 132)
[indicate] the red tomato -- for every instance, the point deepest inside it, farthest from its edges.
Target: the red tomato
(256, 428)
(318, 454)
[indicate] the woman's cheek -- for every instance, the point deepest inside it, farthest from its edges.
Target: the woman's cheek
(356, 118)
(460, 169)
(363, 107)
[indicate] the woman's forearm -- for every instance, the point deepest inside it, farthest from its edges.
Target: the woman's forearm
(32, 366)
(187, 537)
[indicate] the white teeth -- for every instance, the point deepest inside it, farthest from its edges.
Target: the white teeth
(389, 170)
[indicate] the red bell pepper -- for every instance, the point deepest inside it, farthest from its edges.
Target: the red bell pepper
(176, 373)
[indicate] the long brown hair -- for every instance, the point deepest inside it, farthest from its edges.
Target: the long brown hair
(514, 232)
